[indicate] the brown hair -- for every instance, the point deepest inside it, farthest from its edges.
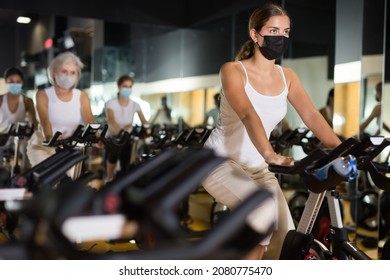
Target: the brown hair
(378, 87)
(257, 20)
(13, 71)
(124, 78)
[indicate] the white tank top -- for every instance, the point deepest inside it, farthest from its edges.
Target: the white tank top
(7, 117)
(230, 138)
(123, 115)
(64, 116)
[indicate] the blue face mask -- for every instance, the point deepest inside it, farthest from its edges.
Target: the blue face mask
(126, 92)
(14, 88)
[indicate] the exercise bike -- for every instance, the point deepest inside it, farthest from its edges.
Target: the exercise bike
(321, 171)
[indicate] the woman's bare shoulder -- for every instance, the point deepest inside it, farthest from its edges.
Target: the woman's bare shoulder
(231, 67)
(291, 76)
(41, 93)
(288, 71)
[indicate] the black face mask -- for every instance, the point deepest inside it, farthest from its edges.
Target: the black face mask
(273, 46)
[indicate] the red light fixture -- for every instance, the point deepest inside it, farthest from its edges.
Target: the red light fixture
(48, 43)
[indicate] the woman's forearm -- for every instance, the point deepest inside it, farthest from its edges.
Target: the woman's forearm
(321, 129)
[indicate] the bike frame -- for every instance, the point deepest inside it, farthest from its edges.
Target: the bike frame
(299, 242)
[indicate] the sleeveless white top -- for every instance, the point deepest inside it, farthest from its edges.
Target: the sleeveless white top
(64, 116)
(230, 138)
(7, 117)
(124, 115)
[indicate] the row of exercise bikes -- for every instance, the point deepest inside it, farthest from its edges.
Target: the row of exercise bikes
(48, 215)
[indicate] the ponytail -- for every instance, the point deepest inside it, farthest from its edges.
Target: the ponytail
(247, 50)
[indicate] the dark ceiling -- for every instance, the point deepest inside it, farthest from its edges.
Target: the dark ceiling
(180, 13)
(313, 22)
(169, 12)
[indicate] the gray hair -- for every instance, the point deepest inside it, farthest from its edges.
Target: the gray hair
(62, 59)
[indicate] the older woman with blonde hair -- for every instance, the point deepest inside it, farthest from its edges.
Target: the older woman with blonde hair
(61, 107)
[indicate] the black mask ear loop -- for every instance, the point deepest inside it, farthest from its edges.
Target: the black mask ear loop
(264, 41)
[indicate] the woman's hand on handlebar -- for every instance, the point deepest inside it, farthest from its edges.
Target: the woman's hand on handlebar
(278, 159)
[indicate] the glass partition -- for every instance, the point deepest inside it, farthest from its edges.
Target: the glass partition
(384, 196)
(371, 123)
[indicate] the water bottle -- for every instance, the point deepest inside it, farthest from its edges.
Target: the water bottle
(345, 167)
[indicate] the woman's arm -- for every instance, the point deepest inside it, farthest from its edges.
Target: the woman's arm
(386, 127)
(86, 111)
(233, 79)
(375, 113)
(111, 121)
(156, 116)
(142, 117)
(302, 103)
(43, 113)
(30, 110)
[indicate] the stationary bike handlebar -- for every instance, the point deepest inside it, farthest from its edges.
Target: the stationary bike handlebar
(366, 152)
(320, 169)
(20, 130)
(85, 135)
(378, 171)
(114, 145)
(296, 137)
(359, 154)
(193, 137)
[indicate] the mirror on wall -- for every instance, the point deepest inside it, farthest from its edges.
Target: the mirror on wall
(371, 117)
(384, 196)
(372, 122)
(366, 202)
(311, 50)
(358, 73)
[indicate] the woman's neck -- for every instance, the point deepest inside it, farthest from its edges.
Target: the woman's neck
(62, 91)
(261, 63)
(123, 100)
(63, 94)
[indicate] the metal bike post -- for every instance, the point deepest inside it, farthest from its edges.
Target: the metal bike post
(309, 215)
(16, 155)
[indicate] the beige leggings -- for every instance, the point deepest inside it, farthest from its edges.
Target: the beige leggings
(231, 183)
(36, 152)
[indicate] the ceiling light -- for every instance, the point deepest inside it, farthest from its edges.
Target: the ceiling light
(24, 20)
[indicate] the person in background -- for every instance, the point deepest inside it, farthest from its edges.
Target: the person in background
(15, 107)
(163, 115)
(375, 113)
(328, 110)
(255, 92)
(120, 113)
(214, 112)
(61, 107)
